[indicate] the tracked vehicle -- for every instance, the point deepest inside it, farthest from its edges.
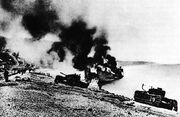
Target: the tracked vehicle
(155, 97)
(70, 79)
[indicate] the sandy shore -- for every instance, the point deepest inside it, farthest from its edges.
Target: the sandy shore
(44, 99)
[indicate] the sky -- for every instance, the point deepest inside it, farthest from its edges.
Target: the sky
(138, 30)
(144, 30)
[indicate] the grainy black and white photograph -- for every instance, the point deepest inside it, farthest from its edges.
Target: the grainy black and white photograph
(89, 58)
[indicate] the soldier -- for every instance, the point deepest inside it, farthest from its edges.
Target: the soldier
(6, 75)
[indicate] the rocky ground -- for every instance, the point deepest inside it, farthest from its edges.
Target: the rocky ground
(42, 98)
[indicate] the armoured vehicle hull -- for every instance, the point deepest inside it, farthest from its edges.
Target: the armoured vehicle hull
(71, 79)
(155, 97)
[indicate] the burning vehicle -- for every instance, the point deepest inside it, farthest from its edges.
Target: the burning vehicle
(103, 74)
(155, 97)
(106, 71)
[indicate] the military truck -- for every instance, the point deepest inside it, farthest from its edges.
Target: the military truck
(155, 97)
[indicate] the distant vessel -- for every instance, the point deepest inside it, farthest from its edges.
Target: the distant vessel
(155, 97)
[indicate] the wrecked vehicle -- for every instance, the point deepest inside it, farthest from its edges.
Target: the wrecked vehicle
(104, 74)
(70, 79)
(18, 78)
(155, 97)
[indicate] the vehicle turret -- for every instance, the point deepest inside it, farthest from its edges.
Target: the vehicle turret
(158, 91)
(155, 97)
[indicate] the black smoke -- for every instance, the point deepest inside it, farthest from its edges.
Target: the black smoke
(77, 37)
(41, 21)
(58, 47)
(8, 5)
(38, 18)
(80, 40)
(15, 7)
(101, 47)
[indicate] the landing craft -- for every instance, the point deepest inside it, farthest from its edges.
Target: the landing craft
(155, 97)
(105, 74)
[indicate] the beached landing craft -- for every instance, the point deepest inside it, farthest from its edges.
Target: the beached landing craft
(155, 97)
(105, 74)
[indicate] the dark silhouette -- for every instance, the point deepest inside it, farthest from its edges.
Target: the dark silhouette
(70, 79)
(6, 75)
(2, 43)
(155, 97)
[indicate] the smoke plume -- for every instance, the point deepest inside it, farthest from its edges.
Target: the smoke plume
(41, 20)
(80, 40)
(78, 37)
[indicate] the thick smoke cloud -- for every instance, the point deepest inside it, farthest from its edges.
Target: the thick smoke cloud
(77, 37)
(79, 40)
(38, 16)
(8, 5)
(16, 7)
(41, 21)
(101, 47)
(58, 47)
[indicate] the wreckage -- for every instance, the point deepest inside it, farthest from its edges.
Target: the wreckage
(104, 74)
(155, 97)
(103, 71)
(70, 79)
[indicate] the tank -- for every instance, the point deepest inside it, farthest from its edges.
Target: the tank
(70, 79)
(155, 97)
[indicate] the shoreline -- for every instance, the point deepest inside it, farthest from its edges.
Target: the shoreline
(38, 98)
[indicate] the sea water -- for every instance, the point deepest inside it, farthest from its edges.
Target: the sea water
(166, 77)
